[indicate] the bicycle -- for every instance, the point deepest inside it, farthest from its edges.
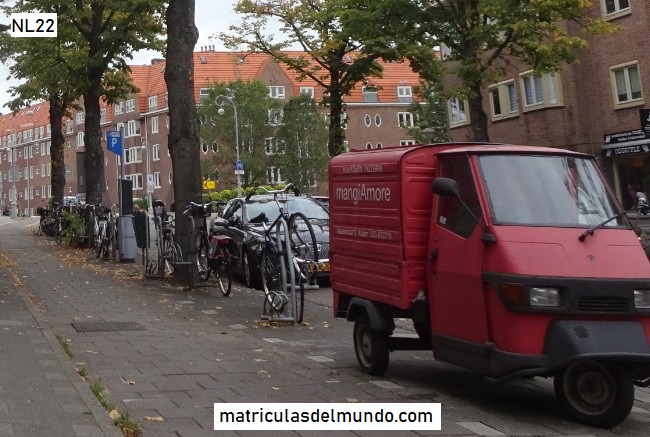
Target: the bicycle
(211, 253)
(101, 234)
(285, 267)
(52, 223)
(169, 251)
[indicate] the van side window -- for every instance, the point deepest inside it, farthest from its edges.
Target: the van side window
(452, 215)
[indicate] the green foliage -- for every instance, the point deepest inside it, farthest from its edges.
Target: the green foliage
(430, 113)
(141, 202)
(75, 232)
(300, 143)
(251, 98)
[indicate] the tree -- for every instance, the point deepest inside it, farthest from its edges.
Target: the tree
(333, 59)
(110, 31)
(484, 36)
(183, 126)
(430, 113)
(251, 98)
(300, 139)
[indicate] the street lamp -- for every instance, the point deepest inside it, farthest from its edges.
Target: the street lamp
(28, 172)
(220, 100)
(13, 198)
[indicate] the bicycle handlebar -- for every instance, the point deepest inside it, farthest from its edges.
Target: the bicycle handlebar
(295, 190)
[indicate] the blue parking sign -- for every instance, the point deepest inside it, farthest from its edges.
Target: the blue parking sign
(114, 142)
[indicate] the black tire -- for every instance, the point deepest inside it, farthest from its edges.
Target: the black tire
(300, 303)
(101, 241)
(595, 394)
(251, 271)
(171, 255)
(370, 347)
(59, 231)
(200, 252)
(276, 298)
(223, 277)
(304, 245)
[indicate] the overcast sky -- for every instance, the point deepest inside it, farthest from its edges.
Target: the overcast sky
(212, 17)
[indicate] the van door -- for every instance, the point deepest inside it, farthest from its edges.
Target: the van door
(457, 301)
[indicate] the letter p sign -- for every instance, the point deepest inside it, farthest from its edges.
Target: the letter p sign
(114, 142)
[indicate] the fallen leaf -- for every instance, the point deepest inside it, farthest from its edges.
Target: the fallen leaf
(154, 419)
(114, 415)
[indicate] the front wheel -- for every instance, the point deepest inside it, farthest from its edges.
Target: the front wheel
(370, 347)
(595, 394)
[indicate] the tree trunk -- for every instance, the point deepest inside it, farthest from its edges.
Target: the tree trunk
(183, 142)
(478, 118)
(57, 109)
(94, 155)
(336, 134)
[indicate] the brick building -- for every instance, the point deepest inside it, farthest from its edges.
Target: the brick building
(593, 106)
(375, 117)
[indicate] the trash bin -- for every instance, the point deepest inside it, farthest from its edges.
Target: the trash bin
(141, 228)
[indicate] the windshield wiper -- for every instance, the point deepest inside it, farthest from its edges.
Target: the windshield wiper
(591, 230)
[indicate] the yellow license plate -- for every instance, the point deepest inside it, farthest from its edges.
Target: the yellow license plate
(319, 267)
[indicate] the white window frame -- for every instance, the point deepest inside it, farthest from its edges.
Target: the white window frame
(367, 120)
(273, 175)
(81, 139)
(129, 105)
(270, 146)
(405, 120)
(68, 127)
(404, 91)
(102, 115)
(276, 91)
(79, 117)
(133, 155)
(155, 152)
(153, 102)
(458, 115)
(406, 142)
(132, 128)
(154, 124)
(156, 179)
(118, 108)
(137, 180)
(275, 117)
(616, 8)
(309, 90)
(629, 82)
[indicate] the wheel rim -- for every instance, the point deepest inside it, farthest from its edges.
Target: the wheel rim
(589, 388)
(364, 345)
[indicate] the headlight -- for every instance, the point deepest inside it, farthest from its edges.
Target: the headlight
(642, 299)
(544, 297)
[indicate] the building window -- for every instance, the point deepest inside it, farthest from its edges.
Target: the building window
(102, 115)
(156, 179)
(367, 120)
(204, 93)
(118, 108)
(369, 93)
(154, 125)
(215, 146)
(540, 91)
(309, 90)
(132, 128)
(457, 114)
(627, 84)
(80, 139)
(615, 6)
(79, 117)
(68, 126)
(155, 152)
(368, 146)
(503, 100)
(276, 92)
(405, 119)
(273, 175)
(377, 120)
(404, 92)
(270, 146)
(153, 102)
(136, 179)
(120, 128)
(204, 148)
(133, 154)
(406, 142)
(129, 105)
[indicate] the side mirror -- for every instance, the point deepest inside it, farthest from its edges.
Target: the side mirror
(445, 187)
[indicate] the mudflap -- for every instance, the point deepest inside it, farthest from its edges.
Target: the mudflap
(614, 341)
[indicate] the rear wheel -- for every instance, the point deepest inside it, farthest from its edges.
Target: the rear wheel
(101, 245)
(200, 252)
(171, 254)
(595, 394)
(303, 245)
(273, 282)
(370, 347)
(251, 270)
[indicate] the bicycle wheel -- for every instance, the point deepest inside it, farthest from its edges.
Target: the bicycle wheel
(59, 230)
(299, 309)
(101, 241)
(200, 251)
(223, 272)
(272, 281)
(303, 245)
(171, 255)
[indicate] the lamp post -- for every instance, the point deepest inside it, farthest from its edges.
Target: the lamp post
(220, 101)
(13, 198)
(28, 170)
(145, 150)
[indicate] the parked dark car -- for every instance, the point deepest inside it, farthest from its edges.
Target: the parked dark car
(248, 236)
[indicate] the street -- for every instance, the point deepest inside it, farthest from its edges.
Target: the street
(165, 355)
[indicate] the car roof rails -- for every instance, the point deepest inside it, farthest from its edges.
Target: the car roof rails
(264, 190)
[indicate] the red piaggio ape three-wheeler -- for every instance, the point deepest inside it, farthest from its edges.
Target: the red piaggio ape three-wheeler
(510, 260)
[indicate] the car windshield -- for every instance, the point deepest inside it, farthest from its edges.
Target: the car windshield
(547, 190)
(269, 207)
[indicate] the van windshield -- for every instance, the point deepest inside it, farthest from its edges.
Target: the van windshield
(547, 190)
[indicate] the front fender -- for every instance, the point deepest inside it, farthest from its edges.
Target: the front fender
(379, 315)
(569, 340)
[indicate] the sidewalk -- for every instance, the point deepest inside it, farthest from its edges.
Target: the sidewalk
(165, 355)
